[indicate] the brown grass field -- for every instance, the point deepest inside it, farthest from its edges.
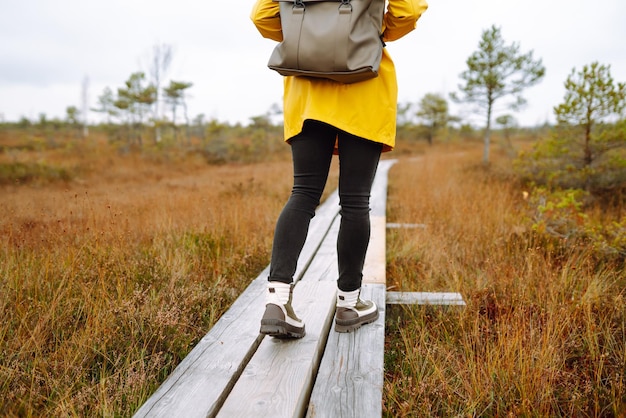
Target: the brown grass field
(111, 272)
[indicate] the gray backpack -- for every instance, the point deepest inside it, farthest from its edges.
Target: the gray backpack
(339, 40)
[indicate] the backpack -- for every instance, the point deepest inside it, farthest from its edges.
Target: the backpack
(339, 40)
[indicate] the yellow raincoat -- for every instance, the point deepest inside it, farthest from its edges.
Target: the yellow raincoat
(366, 109)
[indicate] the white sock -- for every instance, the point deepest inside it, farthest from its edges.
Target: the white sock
(278, 293)
(347, 299)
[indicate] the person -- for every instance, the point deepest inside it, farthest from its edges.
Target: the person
(322, 118)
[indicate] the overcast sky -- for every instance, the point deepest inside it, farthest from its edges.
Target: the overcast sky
(47, 49)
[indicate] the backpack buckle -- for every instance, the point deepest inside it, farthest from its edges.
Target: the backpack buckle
(345, 7)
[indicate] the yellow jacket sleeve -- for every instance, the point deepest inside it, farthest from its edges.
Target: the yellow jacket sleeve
(401, 18)
(266, 17)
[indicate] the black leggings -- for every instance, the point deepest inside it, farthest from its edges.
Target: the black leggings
(312, 151)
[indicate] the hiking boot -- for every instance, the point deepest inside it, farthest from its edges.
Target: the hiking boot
(279, 319)
(352, 312)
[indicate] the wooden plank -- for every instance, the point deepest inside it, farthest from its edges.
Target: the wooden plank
(425, 298)
(278, 380)
(350, 378)
(318, 229)
(378, 202)
(393, 225)
(374, 270)
(324, 265)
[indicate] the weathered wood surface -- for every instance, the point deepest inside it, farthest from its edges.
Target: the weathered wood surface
(375, 260)
(319, 228)
(278, 380)
(350, 378)
(425, 298)
(351, 375)
(324, 265)
(201, 382)
(394, 225)
(228, 372)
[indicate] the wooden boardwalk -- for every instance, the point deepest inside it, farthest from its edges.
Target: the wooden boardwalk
(236, 372)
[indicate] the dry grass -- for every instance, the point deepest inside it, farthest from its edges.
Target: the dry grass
(544, 331)
(108, 279)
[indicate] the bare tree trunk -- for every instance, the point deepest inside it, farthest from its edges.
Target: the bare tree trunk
(85, 105)
(161, 60)
(186, 122)
(431, 134)
(487, 136)
(174, 123)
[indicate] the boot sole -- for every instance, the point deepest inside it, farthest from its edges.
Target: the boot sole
(280, 329)
(354, 324)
